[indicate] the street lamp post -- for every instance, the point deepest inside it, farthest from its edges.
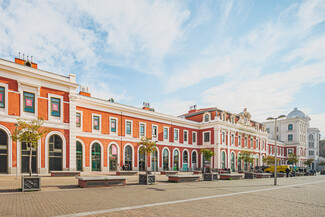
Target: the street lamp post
(276, 150)
(16, 125)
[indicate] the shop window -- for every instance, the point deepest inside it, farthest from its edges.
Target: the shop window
(55, 107)
(29, 102)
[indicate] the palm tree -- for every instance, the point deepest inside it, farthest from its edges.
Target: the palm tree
(147, 147)
(207, 154)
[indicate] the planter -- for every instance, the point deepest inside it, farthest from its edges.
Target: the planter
(210, 177)
(30, 183)
(147, 179)
(250, 176)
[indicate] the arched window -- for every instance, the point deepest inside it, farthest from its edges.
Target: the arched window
(112, 158)
(96, 157)
(165, 160)
(176, 159)
(223, 160)
(206, 118)
(55, 153)
(154, 160)
(185, 160)
(290, 127)
(233, 162)
(3, 152)
(128, 157)
(79, 156)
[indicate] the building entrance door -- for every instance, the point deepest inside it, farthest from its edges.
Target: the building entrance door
(79, 156)
(25, 158)
(96, 157)
(3, 152)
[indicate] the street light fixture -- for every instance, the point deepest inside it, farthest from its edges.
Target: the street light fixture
(276, 150)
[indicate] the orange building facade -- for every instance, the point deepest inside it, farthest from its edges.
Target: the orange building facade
(91, 134)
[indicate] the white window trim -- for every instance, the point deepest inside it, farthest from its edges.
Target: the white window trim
(81, 118)
(176, 140)
(194, 133)
(223, 137)
(110, 126)
(239, 140)
(209, 142)
(31, 89)
(128, 135)
(184, 137)
(145, 131)
(154, 125)
(232, 141)
(206, 113)
(92, 123)
(166, 140)
(251, 143)
(54, 118)
(288, 151)
(5, 109)
(257, 144)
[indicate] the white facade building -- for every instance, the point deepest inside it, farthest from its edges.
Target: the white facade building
(295, 132)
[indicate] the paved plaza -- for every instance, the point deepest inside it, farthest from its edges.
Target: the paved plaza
(60, 196)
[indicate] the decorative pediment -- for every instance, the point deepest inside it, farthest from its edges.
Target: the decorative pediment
(245, 117)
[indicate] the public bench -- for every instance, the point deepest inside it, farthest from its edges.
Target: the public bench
(210, 176)
(183, 178)
(262, 175)
(168, 173)
(100, 181)
(230, 176)
(65, 173)
(126, 173)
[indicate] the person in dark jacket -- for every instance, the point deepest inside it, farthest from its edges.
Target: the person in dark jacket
(287, 171)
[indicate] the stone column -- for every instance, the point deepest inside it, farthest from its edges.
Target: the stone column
(72, 131)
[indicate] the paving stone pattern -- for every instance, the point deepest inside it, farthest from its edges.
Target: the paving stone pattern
(61, 196)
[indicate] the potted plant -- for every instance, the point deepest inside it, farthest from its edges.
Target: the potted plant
(147, 147)
(246, 156)
(207, 174)
(29, 132)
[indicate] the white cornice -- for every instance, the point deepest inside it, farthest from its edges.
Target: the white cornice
(37, 73)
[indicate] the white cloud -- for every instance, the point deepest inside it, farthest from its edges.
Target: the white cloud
(173, 106)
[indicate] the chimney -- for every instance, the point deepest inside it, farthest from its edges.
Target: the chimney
(146, 106)
(84, 91)
(25, 62)
(192, 109)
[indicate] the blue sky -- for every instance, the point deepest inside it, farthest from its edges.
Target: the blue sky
(267, 56)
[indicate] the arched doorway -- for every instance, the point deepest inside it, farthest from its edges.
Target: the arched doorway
(232, 162)
(96, 157)
(176, 159)
(55, 153)
(239, 164)
(128, 157)
(25, 148)
(223, 160)
(165, 160)
(185, 160)
(79, 156)
(112, 157)
(154, 160)
(142, 160)
(194, 160)
(3, 152)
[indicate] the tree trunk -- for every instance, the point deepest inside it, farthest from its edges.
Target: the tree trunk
(145, 163)
(30, 160)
